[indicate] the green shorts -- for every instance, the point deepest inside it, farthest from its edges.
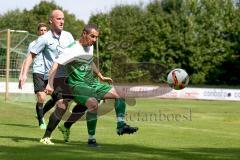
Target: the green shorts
(82, 91)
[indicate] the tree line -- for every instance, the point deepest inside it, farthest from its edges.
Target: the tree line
(142, 43)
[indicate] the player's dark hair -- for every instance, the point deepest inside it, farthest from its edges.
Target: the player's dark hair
(41, 25)
(89, 27)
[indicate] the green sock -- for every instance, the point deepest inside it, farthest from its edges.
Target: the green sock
(120, 107)
(91, 122)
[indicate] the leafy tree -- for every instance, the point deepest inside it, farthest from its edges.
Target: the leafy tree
(28, 20)
(200, 36)
(138, 43)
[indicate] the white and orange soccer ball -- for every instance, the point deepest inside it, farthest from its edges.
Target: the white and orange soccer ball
(178, 79)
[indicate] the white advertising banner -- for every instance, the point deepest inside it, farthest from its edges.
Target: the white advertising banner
(13, 87)
(188, 93)
(205, 94)
(153, 91)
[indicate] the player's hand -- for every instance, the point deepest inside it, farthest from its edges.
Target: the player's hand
(21, 81)
(107, 79)
(48, 90)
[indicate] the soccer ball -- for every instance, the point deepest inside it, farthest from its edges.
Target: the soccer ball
(178, 79)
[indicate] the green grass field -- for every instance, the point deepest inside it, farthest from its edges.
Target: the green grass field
(169, 130)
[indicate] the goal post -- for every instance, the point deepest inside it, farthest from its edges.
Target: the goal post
(13, 50)
(7, 63)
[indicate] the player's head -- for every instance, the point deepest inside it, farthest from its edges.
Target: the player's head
(89, 35)
(56, 20)
(41, 29)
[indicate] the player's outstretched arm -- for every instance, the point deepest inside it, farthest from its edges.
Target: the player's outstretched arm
(98, 73)
(24, 70)
(49, 88)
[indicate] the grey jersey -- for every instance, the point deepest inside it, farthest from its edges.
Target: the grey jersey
(38, 62)
(51, 46)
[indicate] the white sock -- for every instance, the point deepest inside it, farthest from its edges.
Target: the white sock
(120, 119)
(91, 136)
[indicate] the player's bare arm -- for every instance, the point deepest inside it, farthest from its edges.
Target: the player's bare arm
(24, 70)
(98, 73)
(20, 75)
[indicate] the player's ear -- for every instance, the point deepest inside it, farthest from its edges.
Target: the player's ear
(84, 34)
(50, 22)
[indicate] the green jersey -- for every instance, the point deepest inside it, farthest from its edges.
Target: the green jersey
(78, 63)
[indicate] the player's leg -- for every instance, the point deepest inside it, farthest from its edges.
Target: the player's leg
(120, 109)
(61, 107)
(77, 112)
(83, 94)
(91, 117)
(48, 105)
(39, 86)
(55, 118)
(41, 96)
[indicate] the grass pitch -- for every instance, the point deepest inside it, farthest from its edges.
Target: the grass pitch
(169, 130)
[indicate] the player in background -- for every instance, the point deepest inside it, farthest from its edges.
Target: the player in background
(50, 45)
(86, 89)
(38, 79)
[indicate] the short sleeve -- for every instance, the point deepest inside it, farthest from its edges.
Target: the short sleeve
(39, 45)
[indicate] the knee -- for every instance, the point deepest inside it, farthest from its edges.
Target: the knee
(62, 104)
(92, 105)
(117, 94)
(41, 97)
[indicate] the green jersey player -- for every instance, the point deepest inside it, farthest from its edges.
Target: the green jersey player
(86, 89)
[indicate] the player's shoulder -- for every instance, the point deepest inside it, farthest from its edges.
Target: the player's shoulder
(47, 34)
(66, 33)
(44, 37)
(32, 43)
